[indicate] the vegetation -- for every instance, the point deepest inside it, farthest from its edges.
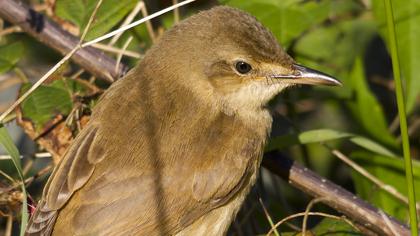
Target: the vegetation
(350, 134)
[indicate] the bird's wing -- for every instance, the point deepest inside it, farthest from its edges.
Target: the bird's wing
(150, 200)
(226, 166)
(70, 175)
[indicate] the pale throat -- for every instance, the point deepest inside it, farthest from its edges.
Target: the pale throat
(249, 102)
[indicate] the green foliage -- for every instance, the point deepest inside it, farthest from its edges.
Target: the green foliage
(289, 19)
(329, 35)
(334, 48)
(366, 109)
(331, 227)
(401, 104)
(407, 18)
(390, 170)
(324, 135)
(7, 142)
(10, 55)
(49, 100)
(110, 13)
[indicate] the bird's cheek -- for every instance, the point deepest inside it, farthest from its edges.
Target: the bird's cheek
(226, 84)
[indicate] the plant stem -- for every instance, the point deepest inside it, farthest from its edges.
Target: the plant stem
(403, 120)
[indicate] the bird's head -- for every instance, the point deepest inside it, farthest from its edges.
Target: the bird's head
(229, 52)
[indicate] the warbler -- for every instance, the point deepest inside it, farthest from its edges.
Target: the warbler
(174, 147)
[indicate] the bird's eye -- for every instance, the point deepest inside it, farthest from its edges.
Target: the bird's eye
(243, 67)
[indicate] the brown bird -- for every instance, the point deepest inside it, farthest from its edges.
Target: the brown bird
(174, 147)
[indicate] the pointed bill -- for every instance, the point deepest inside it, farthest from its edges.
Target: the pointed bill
(305, 75)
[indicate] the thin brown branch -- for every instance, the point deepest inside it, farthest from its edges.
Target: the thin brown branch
(51, 34)
(306, 216)
(55, 68)
(176, 12)
(334, 196)
(388, 188)
(388, 223)
(149, 24)
(9, 226)
(123, 49)
(11, 80)
(127, 21)
(303, 214)
(10, 30)
(115, 50)
(267, 215)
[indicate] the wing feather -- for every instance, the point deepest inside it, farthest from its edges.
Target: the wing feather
(70, 175)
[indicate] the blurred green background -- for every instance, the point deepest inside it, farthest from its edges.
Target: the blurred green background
(344, 38)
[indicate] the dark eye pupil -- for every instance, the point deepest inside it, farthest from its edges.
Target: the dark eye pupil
(243, 67)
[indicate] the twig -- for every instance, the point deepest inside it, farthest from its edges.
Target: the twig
(136, 23)
(11, 81)
(115, 50)
(79, 46)
(77, 74)
(10, 30)
(37, 84)
(37, 155)
(28, 166)
(54, 69)
(149, 24)
(176, 11)
(308, 209)
(412, 129)
(388, 188)
(51, 34)
(312, 214)
(267, 215)
(8, 177)
(40, 173)
(123, 49)
(388, 223)
(335, 196)
(127, 21)
(9, 224)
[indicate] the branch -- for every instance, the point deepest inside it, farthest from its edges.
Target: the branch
(101, 65)
(51, 34)
(333, 195)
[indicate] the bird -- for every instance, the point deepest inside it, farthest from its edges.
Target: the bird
(174, 147)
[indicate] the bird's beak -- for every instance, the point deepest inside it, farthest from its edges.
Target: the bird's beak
(304, 75)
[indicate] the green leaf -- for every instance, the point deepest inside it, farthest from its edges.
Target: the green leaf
(7, 142)
(110, 13)
(330, 226)
(366, 109)
(407, 18)
(286, 19)
(324, 135)
(10, 55)
(390, 171)
(79, 11)
(371, 146)
(312, 136)
(71, 10)
(46, 102)
(334, 48)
